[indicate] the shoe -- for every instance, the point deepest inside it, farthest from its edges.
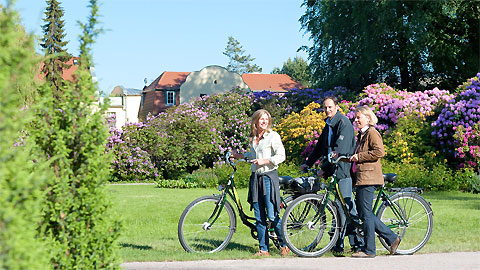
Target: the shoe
(262, 253)
(362, 254)
(284, 251)
(338, 253)
(394, 246)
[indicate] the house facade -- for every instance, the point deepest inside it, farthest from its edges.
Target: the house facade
(124, 104)
(174, 88)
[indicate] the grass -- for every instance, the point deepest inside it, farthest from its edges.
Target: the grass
(150, 216)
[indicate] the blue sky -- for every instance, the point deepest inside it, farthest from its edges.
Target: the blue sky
(143, 38)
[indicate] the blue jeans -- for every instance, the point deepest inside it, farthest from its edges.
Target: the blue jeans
(371, 223)
(262, 209)
(345, 186)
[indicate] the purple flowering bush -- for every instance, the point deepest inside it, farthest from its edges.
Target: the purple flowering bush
(130, 163)
(463, 110)
(276, 104)
(390, 104)
(232, 112)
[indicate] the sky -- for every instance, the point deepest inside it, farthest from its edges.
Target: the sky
(144, 38)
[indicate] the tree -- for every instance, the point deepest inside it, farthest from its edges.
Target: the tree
(357, 43)
(70, 130)
(297, 69)
(21, 179)
(239, 62)
(54, 46)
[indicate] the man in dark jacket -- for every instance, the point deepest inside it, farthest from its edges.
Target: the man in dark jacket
(337, 136)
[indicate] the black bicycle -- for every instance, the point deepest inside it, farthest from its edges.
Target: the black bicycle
(311, 223)
(208, 223)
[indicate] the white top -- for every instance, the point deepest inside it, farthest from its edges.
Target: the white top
(271, 148)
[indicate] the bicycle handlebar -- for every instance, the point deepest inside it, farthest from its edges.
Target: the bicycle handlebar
(343, 158)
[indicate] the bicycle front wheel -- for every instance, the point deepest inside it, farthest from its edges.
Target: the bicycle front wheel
(310, 225)
(413, 222)
(197, 233)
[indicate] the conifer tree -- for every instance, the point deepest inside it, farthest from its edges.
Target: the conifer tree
(71, 130)
(54, 46)
(239, 62)
(21, 179)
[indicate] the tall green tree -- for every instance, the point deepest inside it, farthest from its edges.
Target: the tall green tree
(71, 130)
(21, 179)
(54, 46)
(297, 69)
(239, 62)
(356, 43)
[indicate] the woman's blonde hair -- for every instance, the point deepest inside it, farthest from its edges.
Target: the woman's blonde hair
(368, 113)
(255, 118)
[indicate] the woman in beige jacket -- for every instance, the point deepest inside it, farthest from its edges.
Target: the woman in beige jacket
(367, 170)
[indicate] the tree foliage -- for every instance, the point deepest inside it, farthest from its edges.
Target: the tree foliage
(297, 69)
(407, 44)
(54, 46)
(70, 130)
(239, 62)
(21, 180)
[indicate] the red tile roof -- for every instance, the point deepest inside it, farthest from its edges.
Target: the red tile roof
(67, 74)
(168, 80)
(270, 82)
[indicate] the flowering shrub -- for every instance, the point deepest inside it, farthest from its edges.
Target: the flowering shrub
(182, 139)
(130, 162)
(277, 105)
(300, 130)
(390, 105)
(468, 146)
(463, 110)
(231, 110)
(409, 142)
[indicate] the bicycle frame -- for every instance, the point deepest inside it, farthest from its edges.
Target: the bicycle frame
(232, 192)
(382, 198)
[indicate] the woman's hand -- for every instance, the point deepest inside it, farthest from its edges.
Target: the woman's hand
(260, 162)
(237, 155)
(354, 158)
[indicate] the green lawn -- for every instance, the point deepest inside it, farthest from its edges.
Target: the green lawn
(150, 216)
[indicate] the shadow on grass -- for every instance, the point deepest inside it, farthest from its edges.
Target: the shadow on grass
(127, 245)
(237, 246)
(467, 200)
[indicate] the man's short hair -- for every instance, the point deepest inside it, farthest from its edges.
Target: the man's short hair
(333, 98)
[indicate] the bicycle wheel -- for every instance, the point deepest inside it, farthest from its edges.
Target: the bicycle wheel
(195, 232)
(307, 230)
(419, 221)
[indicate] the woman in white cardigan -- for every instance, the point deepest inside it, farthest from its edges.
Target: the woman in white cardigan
(266, 152)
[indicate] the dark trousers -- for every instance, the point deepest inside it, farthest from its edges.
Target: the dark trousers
(371, 223)
(345, 186)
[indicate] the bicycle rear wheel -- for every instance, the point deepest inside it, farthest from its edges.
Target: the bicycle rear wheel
(419, 221)
(197, 234)
(307, 230)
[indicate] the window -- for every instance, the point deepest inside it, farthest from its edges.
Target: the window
(142, 100)
(170, 95)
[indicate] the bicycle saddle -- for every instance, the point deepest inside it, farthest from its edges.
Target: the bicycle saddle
(390, 177)
(285, 180)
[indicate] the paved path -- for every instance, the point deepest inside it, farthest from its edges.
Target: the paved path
(437, 261)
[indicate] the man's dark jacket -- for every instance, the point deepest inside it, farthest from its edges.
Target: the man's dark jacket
(343, 143)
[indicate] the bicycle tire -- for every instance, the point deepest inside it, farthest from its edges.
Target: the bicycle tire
(306, 231)
(193, 231)
(419, 216)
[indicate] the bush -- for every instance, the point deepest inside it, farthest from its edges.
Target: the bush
(463, 110)
(22, 181)
(467, 141)
(276, 104)
(300, 130)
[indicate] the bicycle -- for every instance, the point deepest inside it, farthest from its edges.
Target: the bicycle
(309, 224)
(208, 223)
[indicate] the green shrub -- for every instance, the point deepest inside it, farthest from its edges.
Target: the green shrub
(22, 180)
